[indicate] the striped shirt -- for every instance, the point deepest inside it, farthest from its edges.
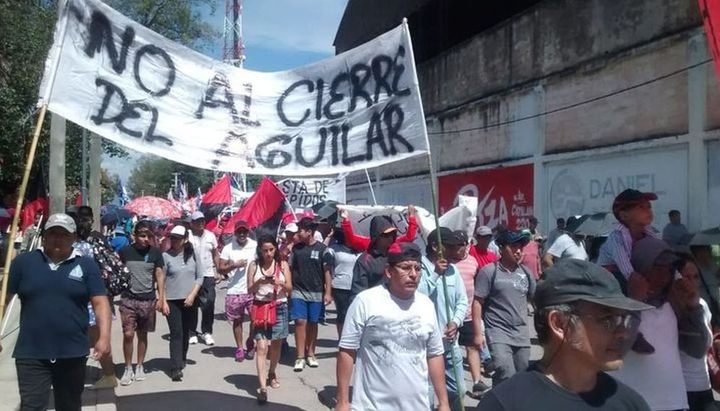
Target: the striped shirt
(468, 268)
(617, 248)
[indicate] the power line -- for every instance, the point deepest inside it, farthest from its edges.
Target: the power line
(578, 104)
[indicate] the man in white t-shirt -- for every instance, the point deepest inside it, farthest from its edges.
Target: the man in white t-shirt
(657, 376)
(565, 246)
(392, 333)
(234, 260)
(206, 254)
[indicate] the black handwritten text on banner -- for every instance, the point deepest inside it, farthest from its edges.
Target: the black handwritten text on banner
(357, 110)
(306, 192)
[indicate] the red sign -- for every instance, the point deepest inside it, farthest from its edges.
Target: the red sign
(505, 194)
(710, 12)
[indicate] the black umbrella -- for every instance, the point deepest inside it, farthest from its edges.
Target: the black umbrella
(113, 216)
(595, 225)
(326, 211)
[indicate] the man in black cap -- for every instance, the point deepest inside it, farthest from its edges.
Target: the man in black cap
(369, 269)
(585, 326)
(502, 293)
(391, 331)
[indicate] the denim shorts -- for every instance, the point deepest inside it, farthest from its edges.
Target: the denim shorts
(280, 329)
(306, 310)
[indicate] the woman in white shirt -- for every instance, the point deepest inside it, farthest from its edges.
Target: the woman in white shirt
(695, 370)
(269, 281)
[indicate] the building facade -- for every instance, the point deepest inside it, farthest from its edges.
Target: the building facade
(557, 108)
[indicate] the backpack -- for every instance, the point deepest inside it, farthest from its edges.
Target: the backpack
(112, 270)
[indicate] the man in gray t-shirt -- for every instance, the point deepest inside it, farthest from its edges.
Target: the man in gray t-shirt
(502, 291)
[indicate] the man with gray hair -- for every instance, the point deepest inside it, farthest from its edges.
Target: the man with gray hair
(585, 326)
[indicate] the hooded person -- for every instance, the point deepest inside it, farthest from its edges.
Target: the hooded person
(361, 243)
(369, 269)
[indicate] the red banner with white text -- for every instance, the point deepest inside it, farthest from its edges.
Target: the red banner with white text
(505, 194)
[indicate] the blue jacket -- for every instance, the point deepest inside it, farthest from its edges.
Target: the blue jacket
(431, 285)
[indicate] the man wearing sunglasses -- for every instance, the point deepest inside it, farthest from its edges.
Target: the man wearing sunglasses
(585, 326)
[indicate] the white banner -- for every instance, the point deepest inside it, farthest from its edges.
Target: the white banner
(360, 109)
(306, 192)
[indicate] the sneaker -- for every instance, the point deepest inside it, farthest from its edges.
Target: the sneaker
(478, 390)
(176, 375)
(193, 340)
(139, 373)
(312, 362)
(128, 376)
(488, 369)
(105, 382)
(299, 365)
(207, 337)
(239, 355)
(250, 354)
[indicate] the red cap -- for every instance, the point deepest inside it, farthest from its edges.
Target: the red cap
(241, 224)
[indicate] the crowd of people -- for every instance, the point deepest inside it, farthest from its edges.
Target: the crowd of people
(628, 329)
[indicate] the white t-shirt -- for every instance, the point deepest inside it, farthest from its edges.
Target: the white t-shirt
(565, 247)
(204, 245)
(657, 377)
(393, 338)
(237, 282)
(695, 370)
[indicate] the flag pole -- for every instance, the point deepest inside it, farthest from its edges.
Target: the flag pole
(54, 64)
(372, 191)
(433, 195)
(18, 207)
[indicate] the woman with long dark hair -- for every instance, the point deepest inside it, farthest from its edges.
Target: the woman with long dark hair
(182, 284)
(270, 282)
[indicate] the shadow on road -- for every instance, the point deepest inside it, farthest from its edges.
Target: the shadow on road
(220, 352)
(193, 400)
(245, 382)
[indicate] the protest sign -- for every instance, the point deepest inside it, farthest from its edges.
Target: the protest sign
(306, 192)
(116, 78)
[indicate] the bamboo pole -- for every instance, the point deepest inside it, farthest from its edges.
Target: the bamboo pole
(18, 207)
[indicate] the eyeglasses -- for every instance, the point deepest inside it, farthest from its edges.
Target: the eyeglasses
(612, 322)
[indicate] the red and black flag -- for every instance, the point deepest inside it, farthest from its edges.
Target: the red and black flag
(263, 211)
(217, 198)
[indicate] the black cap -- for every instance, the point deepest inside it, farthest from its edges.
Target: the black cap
(447, 236)
(399, 252)
(307, 223)
(577, 280)
(461, 236)
(630, 198)
(511, 237)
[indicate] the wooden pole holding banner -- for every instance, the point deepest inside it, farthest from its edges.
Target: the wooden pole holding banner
(433, 195)
(18, 207)
(31, 157)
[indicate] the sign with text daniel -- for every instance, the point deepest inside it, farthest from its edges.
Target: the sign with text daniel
(589, 185)
(306, 192)
(505, 194)
(116, 78)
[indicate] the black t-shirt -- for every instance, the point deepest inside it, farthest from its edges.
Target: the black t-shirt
(308, 270)
(142, 265)
(532, 390)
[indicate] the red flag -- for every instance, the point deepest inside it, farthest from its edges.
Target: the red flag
(33, 208)
(263, 211)
(217, 198)
(710, 12)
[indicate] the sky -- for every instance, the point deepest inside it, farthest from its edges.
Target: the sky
(278, 35)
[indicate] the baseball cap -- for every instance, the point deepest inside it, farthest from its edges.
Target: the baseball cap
(577, 280)
(447, 236)
(241, 224)
(483, 230)
(399, 252)
(292, 227)
(179, 230)
(197, 215)
(461, 236)
(381, 224)
(307, 223)
(651, 251)
(61, 220)
(629, 198)
(511, 237)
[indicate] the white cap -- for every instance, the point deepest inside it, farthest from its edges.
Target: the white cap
(61, 220)
(197, 215)
(179, 230)
(483, 230)
(292, 227)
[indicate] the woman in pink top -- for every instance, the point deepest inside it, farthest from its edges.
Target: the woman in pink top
(269, 279)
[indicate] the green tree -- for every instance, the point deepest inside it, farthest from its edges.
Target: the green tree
(154, 176)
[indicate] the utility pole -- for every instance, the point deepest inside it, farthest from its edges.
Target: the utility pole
(83, 179)
(95, 190)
